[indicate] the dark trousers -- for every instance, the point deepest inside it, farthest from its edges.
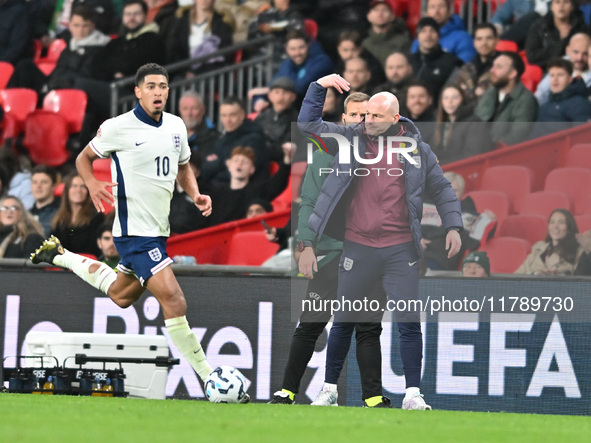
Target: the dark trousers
(312, 323)
(360, 268)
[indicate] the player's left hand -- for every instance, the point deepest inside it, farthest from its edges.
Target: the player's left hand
(453, 243)
(203, 203)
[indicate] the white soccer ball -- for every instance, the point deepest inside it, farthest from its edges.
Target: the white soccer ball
(225, 384)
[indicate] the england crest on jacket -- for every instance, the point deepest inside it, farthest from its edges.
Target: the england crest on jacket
(415, 156)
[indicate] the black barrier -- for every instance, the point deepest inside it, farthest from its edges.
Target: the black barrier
(523, 362)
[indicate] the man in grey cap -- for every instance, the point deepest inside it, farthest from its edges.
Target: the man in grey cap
(276, 119)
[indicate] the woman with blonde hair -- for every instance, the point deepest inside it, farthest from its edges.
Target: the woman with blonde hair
(76, 222)
(20, 233)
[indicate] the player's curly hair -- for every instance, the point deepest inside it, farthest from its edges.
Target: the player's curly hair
(149, 69)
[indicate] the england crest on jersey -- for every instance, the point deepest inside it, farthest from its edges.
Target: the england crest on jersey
(155, 254)
(176, 141)
(348, 264)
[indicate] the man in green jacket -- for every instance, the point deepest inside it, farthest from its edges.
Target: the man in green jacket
(508, 105)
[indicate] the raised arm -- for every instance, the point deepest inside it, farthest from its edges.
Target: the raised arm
(310, 116)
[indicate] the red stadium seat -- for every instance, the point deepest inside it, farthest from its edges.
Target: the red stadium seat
(583, 222)
(544, 202)
(17, 104)
(6, 70)
(579, 156)
(530, 227)
(400, 7)
(496, 201)
(238, 56)
(506, 45)
(414, 15)
(576, 183)
(531, 77)
(46, 67)
(292, 191)
(102, 171)
(311, 28)
(70, 104)
(283, 200)
(37, 50)
(515, 181)
(298, 169)
(46, 135)
(250, 248)
(273, 168)
(59, 189)
(47, 64)
(53, 51)
(506, 254)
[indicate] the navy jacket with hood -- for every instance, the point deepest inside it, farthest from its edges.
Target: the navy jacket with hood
(329, 212)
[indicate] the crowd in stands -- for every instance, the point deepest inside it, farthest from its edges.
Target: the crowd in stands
(467, 94)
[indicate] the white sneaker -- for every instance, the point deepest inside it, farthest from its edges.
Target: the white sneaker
(416, 402)
(327, 397)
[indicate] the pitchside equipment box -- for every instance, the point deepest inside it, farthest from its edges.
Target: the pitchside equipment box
(141, 380)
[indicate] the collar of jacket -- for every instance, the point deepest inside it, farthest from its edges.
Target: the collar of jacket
(575, 18)
(515, 92)
(435, 53)
(151, 27)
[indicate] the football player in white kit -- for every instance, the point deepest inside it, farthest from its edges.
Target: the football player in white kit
(148, 150)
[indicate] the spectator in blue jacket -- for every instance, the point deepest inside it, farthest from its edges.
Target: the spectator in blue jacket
(568, 101)
(453, 36)
(306, 61)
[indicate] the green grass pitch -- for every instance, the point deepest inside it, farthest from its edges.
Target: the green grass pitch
(44, 418)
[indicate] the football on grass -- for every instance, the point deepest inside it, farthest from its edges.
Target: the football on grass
(225, 384)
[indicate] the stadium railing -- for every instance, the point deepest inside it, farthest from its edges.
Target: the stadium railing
(213, 86)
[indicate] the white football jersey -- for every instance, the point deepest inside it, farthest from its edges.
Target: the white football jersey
(144, 163)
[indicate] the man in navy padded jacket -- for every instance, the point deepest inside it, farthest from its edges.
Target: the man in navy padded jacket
(377, 208)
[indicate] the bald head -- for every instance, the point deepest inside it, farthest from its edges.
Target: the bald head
(382, 112)
(577, 52)
(388, 100)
